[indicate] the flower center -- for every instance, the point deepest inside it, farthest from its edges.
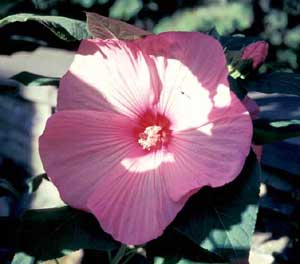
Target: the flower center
(152, 138)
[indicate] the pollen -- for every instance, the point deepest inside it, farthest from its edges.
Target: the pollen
(152, 137)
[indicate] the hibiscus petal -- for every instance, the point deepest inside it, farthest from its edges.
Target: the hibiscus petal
(136, 208)
(109, 75)
(193, 71)
(97, 164)
(80, 148)
(211, 155)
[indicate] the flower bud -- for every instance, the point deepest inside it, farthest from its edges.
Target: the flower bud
(257, 52)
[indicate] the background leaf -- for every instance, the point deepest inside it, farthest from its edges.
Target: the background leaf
(237, 42)
(31, 79)
(225, 18)
(108, 28)
(36, 88)
(6, 5)
(276, 82)
(235, 86)
(67, 29)
(266, 131)
(222, 220)
(173, 247)
(48, 233)
(125, 9)
(22, 258)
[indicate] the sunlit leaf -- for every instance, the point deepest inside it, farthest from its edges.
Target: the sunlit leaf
(266, 131)
(37, 88)
(125, 9)
(108, 28)
(173, 247)
(31, 79)
(292, 37)
(222, 220)
(84, 3)
(22, 258)
(65, 28)
(285, 123)
(225, 18)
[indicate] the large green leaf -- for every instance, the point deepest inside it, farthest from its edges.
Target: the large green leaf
(266, 131)
(50, 233)
(65, 28)
(276, 82)
(173, 247)
(222, 220)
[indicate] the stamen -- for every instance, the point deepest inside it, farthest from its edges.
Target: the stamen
(152, 137)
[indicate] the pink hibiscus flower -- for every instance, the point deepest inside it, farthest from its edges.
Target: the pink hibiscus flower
(142, 125)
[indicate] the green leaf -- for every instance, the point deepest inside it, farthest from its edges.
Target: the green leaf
(285, 123)
(31, 79)
(67, 29)
(276, 82)
(222, 220)
(35, 182)
(125, 9)
(6, 5)
(37, 88)
(266, 131)
(235, 86)
(173, 247)
(48, 233)
(22, 258)
(238, 42)
(237, 67)
(225, 18)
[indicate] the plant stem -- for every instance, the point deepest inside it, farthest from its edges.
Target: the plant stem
(129, 257)
(120, 254)
(109, 256)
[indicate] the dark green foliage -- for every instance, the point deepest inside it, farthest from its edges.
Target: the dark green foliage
(222, 220)
(50, 233)
(31, 79)
(237, 42)
(275, 82)
(67, 29)
(266, 131)
(173, 247)
(235, 86)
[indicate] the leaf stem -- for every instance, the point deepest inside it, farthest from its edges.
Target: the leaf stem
(129, 257)
(120, 254)
(109, 256)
